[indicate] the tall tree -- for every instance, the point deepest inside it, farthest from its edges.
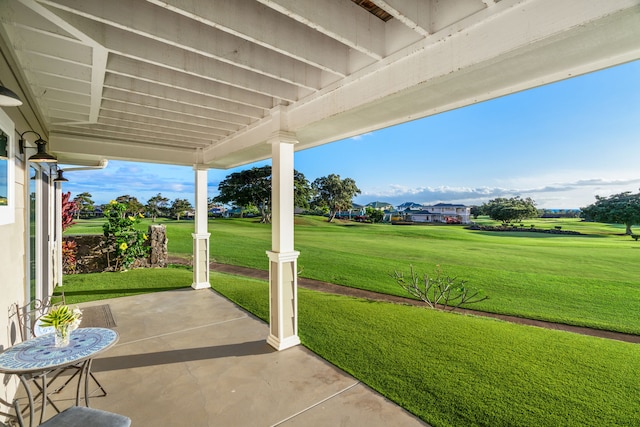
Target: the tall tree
(156, 206)
(512, 209)
(133, 206)
(252, 187)
(179, 206)
(334, 193)
(84, 204)
(621, 208)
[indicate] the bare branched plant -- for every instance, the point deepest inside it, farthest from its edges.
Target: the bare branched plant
(438, 290)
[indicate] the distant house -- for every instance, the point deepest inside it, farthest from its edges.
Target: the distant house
(217, 211)
(381, 206)
(410, 206)
(446, 213)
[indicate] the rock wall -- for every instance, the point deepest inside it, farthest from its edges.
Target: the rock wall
(93, 254)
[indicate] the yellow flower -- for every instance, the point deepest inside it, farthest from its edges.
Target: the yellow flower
(131, 218)
(144, 236)
(123, 246)
(140, 215)
(113, 202)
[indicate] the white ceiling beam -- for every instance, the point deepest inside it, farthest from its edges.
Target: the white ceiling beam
(266, 27)
(341, 20)
(160, 54)
(32, 40)
(144, 111)
(98, 53)
(145, 88)
(415, 14)
(135, 137)
(70, 144)
(179, 31)
(445, 13)
(173, 106)
(176, 127)
(152, 73)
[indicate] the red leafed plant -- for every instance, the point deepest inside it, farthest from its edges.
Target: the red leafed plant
(69, 207)
(69, 259)
(69, 247)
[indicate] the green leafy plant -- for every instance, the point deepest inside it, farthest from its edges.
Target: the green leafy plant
(61, 316)
(125, 241)
(438, 290)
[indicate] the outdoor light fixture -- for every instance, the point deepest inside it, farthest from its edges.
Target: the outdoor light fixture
(4, 149)
(60, 178)
(41, 156)
(8, 98)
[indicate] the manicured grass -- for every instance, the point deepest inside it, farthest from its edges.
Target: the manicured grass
(80, 288)
(455, 370)
(589, 280)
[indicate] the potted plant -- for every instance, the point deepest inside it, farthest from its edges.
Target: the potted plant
(63, 320)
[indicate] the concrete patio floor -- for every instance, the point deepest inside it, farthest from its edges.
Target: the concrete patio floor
(190, 357)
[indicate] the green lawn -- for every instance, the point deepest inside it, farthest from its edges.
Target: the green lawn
(450, 370)
(456, 370)
(588, 280)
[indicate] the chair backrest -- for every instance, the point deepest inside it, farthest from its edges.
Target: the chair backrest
(28, 315)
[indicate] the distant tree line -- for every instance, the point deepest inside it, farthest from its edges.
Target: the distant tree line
(157, 206)
(250, 191)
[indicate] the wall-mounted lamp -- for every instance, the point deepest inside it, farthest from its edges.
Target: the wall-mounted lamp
(41, 156)
(8, 98)
(4, 149)
(60, 178)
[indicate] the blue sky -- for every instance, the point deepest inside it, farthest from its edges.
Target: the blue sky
(560, 144)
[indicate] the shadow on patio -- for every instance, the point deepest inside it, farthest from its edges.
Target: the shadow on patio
(194, 358)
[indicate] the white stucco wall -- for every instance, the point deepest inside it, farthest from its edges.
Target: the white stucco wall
(12, 280)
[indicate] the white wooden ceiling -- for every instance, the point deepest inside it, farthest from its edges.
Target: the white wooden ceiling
(208, 82)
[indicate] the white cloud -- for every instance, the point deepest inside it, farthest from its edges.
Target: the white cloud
(572, 194)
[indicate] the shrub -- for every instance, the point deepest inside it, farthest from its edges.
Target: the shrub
(127, 243)
(438, 289)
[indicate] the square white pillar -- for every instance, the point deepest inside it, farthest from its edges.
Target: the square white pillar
(283, 270)
(201, 235)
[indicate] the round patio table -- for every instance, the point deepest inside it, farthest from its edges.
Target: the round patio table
(37, 357)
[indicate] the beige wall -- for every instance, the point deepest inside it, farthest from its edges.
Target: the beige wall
(12, 276)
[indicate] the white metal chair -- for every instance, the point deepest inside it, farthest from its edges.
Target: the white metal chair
(27, 317)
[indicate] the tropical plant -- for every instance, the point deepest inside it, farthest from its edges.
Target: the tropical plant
(61, 316)
(125, 241)
(438, 289)
(69, 247)
(69, 256)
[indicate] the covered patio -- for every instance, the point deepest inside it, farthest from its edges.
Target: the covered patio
(225, 83)
(209, 365)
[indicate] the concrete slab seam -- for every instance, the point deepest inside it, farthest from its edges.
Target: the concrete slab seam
(316, 404)
(182, 331)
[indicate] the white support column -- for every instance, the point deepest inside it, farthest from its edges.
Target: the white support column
(283, 269)
(201, 235)
(57, 240)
